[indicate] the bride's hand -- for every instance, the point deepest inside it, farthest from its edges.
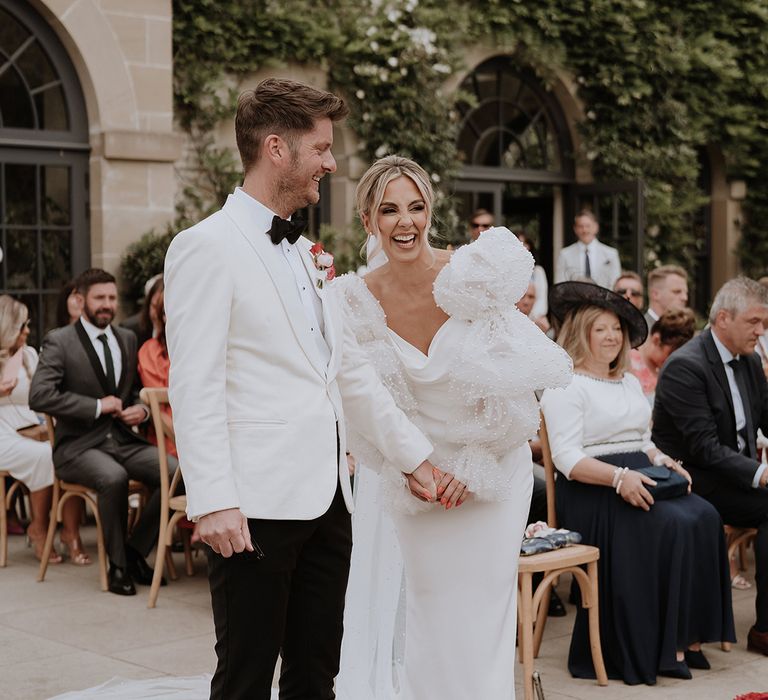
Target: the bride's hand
(421, 482)
(450, 490)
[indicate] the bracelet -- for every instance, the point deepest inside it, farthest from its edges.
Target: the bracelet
(658, 460)
(616, 473)
(621, 480)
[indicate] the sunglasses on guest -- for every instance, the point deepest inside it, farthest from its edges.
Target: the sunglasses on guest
(475, 224)
(632, 292)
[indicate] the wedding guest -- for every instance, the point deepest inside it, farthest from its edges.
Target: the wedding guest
(481, 220)
(762, 343)
(630, 286)
(663, 569)
(27, 460)
(144, 322)
(539, 310)
(527, 304)
(86, 380)
(667, 289)
(588, 257)
(711, 398)
(154, 368)
(69, 308)
(675, 328)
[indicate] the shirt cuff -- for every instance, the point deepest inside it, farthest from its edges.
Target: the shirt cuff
(98, 408)
(759, 475)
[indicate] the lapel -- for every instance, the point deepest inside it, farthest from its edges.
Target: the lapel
(124, 362)
(252, 229)
(93, 358)
(717, 369)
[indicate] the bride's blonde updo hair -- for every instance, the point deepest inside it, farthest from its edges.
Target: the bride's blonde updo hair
(370, 190)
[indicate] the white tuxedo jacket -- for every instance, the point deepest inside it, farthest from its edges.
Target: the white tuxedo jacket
(603, 263)
(255, 413)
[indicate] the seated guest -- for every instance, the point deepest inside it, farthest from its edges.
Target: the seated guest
(671, 331)
(527, 304)
(28, 461)
(154, 368)
(663, 568)
(540, 309)
(144, 322)
(630, 286)
(762, 342)
(86, 380)
(69, 306)
(667, 289)
(711, 398)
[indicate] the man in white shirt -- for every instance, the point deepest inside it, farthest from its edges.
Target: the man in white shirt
(264, 374)
(711, 398)
(588, 257)
(86, 379)
(667, 289)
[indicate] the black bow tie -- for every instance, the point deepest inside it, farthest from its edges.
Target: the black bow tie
(290, 230)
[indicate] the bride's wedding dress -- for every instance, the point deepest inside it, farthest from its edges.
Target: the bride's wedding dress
(431, 602)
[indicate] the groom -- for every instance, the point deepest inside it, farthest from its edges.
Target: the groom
(263, 376)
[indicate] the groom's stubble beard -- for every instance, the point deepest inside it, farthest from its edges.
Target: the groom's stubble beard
(288, 189)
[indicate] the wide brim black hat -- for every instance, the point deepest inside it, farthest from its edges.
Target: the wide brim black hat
(566, 297)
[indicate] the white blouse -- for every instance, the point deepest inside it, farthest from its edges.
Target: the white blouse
(15, 412)
(593, 417)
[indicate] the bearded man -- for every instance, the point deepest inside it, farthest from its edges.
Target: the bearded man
(86, 380)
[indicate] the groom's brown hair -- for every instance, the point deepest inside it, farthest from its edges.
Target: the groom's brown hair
(283, 107)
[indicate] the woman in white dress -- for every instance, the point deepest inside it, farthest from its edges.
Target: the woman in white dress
(445, 337)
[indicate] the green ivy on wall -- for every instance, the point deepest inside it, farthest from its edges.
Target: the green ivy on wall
(660, 81)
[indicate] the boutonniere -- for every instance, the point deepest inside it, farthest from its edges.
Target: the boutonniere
(324, 263)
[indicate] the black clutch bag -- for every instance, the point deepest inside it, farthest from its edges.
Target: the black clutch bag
(669, 484)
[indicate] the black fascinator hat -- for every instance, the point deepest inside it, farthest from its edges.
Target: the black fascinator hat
(567, 297)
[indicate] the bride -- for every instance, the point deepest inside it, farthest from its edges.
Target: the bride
(446, 339)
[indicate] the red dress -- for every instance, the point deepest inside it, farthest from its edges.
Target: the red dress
(154, 368)
(645, 375)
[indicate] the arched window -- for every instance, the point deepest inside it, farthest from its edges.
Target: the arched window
(512, 124)
(43, 165)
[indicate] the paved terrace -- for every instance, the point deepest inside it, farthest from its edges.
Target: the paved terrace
(65, 634)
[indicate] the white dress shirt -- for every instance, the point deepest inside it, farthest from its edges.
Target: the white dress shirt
(305, 285)
(738, 406)
(117, 356)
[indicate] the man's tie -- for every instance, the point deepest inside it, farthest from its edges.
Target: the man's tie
(111, 384)
(587, 267)
(290, 230)
(739, 367)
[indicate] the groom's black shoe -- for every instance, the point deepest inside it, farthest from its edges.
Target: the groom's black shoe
(120, 581)
(140, 571)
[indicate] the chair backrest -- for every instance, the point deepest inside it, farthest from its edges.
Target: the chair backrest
(49, 423)
(549, 473)
(156, 398)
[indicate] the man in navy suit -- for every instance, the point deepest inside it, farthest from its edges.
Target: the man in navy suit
(711, 398)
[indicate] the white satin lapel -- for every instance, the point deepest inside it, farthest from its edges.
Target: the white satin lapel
(268, 253)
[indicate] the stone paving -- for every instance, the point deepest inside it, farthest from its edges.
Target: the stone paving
(65, 635)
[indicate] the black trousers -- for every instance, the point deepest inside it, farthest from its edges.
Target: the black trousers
(291, 603)
(746, 508)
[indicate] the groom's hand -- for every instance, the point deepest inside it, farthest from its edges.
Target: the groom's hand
(421, 482)
(225, 532)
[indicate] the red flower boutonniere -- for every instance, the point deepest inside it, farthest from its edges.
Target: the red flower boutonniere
(324, 263)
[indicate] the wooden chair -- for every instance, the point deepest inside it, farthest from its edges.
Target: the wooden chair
(6, 498)
(172, 507)
(63, 491)
(533, 605)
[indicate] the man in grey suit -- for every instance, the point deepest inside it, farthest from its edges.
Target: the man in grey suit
(86, 380)
(588, 257)
(667, 289)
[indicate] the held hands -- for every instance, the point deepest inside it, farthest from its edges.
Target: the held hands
(450, 490)
(428, 483)
(225, 532)
(633, 491)
(421, 482)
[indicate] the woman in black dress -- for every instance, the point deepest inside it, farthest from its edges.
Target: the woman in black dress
(664, 586)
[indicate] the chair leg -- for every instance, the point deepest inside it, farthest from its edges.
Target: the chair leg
(526, 639)
(52, 522)
(594, 626)
(162, 548)
(99, 543)
(186, 538)
(170, 564)
(3, 525)
(541, 620)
